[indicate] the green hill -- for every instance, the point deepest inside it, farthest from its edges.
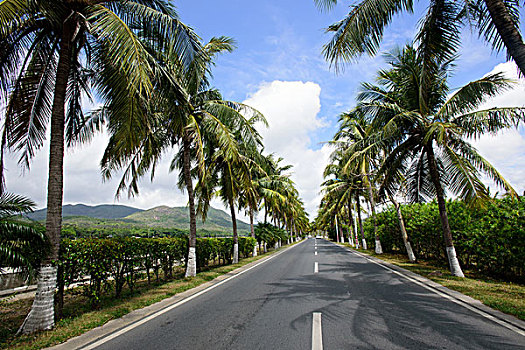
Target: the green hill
(105, 211)
(102, 217)
(178, 217)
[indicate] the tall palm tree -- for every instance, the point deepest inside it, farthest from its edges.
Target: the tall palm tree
(428, 133)
(228, 171)
(340, 185)
(189, 116)
(264, 184)
(54, 52)
(355, 130)
(361, 31)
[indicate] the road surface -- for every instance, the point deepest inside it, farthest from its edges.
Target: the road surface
(317, 295)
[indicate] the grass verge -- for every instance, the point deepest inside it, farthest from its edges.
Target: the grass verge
(504, 296)
(79, 318)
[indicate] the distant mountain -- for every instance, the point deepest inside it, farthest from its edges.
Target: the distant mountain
(106, 216)
(178, 217)
(105, 211)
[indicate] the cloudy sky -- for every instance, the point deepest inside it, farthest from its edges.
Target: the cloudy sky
(278, 68)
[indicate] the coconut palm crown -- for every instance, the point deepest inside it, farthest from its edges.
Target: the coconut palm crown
(361, 30)
(428, 135)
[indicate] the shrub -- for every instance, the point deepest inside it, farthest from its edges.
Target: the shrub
(489, 239)
(114, 262)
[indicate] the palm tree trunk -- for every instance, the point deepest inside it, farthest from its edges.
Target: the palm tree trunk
(379, 248)
(508, 32)
(455, 268)
(191, 266)
(42, 314)
(351, 223)
(252, 230)
(360, 222)
(336, 230)
(403, 230)
(235, 237)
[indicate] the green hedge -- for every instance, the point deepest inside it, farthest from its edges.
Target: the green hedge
(112, 263)
(490, 240)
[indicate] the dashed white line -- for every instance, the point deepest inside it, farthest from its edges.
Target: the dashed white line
(317, 332)
(315, 253)
(316, 267)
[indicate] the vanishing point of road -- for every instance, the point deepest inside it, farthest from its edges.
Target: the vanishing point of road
(318, 295)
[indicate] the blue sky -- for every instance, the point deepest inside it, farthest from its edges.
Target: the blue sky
(278, 68)
(282, 40)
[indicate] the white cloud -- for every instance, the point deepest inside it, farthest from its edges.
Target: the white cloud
(292, 108)
(506, 150)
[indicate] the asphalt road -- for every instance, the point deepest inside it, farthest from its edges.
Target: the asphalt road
(358, 305)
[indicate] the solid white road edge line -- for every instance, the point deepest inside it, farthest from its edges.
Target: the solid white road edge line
(446, 296)
(317, 332)
(171, 307)
(316, 267)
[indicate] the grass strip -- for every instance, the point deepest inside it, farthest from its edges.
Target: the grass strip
(78, 317)
(504, 296)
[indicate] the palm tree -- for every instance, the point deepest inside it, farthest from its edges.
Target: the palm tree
(190, 115)
(229, 171)
(21, 245)
(54, 52)
(340, 186)
(355, 130)
(361, 31)
(427, 132)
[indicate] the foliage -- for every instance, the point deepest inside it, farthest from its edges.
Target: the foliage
(270, 234)
(22, 245)
(488, 239)
(112, 263)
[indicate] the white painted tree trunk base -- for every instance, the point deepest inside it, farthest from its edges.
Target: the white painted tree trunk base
(280, 244)
(191, 268)
(265, 247)
(342, 239)
(410, 252)
(379, 248)
(455, 269)
(236, 253)
(351, 241)
(364, 244)
(255, 250)
(42, 314)
(276, 245)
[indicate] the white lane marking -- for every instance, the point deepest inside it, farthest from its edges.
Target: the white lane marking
(316, 267)
(315, 253)
(317, 332)
(446, 296)
(171, 307)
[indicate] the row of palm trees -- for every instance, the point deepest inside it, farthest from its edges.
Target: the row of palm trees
(409, 134)
(152, 74)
